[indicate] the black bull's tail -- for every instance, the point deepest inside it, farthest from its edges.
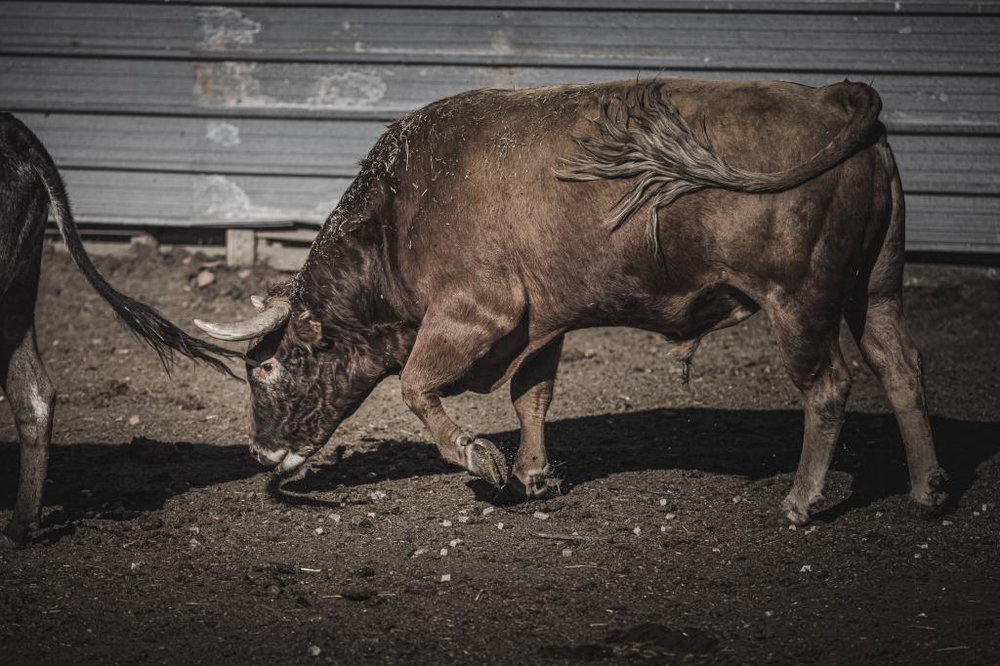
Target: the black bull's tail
(144, 321)
(643, 136)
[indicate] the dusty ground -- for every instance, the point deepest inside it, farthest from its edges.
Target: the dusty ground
(163, 542)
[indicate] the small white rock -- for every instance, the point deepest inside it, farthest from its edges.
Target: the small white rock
(463, 519)
(499, 526)
(922, 546)
(488, 510)
(737, 499)
(946, 523)
(878, 514)
(663, 501)
(806, 568)
(916, 556)
(454, 542)
(134, 419)
(768, 613)
(541, 515)
(445, 523)
(315, 650)
(335, 517)
(418, 552)
(204, 278)
(567, 552)
(637, 530)
(378, 495)
(318, 530)
(985, 507)
(445, 578)
(670, 516)
(444, 552)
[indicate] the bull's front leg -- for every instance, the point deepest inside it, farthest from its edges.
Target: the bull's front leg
(531, 392)
(445, 350)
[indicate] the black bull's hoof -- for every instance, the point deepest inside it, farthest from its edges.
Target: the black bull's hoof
(14, 536)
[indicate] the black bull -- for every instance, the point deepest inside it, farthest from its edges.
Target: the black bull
(485, 226)
(29, 183)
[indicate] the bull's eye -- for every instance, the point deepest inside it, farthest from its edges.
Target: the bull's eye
(265, 372)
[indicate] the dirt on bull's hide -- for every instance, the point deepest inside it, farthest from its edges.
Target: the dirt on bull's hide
(163, 542)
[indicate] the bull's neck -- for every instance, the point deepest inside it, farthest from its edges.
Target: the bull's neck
(347, 284)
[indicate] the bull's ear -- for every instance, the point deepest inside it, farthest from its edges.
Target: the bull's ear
(306, 330)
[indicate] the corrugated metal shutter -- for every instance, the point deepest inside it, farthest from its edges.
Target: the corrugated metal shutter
(187, 113)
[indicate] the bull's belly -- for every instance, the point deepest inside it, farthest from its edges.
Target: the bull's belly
(682, 318)
(691, 316)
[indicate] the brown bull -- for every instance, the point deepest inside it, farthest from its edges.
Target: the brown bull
(484, 227)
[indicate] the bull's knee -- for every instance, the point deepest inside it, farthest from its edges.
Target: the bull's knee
(33, 414)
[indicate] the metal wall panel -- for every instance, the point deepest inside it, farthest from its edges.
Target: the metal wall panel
(192, 113)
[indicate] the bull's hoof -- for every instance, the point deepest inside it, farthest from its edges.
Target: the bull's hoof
(486, 461)
(931, 495)
(796, 517)
(795, 513)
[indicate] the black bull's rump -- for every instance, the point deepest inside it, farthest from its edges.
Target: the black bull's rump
(484, 227)
(29, 184)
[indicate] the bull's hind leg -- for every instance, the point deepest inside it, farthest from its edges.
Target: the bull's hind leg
(810, 349)
(451, 340)
(32, 398)
(531, 392)
(875, 317)
(887, 348)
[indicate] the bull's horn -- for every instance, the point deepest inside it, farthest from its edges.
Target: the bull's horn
(269, 320)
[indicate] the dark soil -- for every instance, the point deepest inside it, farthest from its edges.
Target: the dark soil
(163, 542)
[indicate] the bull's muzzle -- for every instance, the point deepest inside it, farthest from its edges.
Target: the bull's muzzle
(283, 460)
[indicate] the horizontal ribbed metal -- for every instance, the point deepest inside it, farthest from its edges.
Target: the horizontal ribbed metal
(199, 114)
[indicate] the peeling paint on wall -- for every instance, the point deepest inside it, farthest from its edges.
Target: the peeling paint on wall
(222, 133)
(225, 27)
(281, 86)
(347, 90)
(218, 197)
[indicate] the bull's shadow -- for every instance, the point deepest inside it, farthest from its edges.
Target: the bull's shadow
(123, 482)
(751, 444)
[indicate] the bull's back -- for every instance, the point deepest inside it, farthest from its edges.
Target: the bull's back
(484, 200)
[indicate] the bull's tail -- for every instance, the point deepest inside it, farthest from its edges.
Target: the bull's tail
(646, 138)
(144, 321)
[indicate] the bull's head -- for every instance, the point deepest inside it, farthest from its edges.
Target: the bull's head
(302, 384)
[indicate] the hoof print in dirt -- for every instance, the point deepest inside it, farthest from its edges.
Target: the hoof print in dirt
(486, 461)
